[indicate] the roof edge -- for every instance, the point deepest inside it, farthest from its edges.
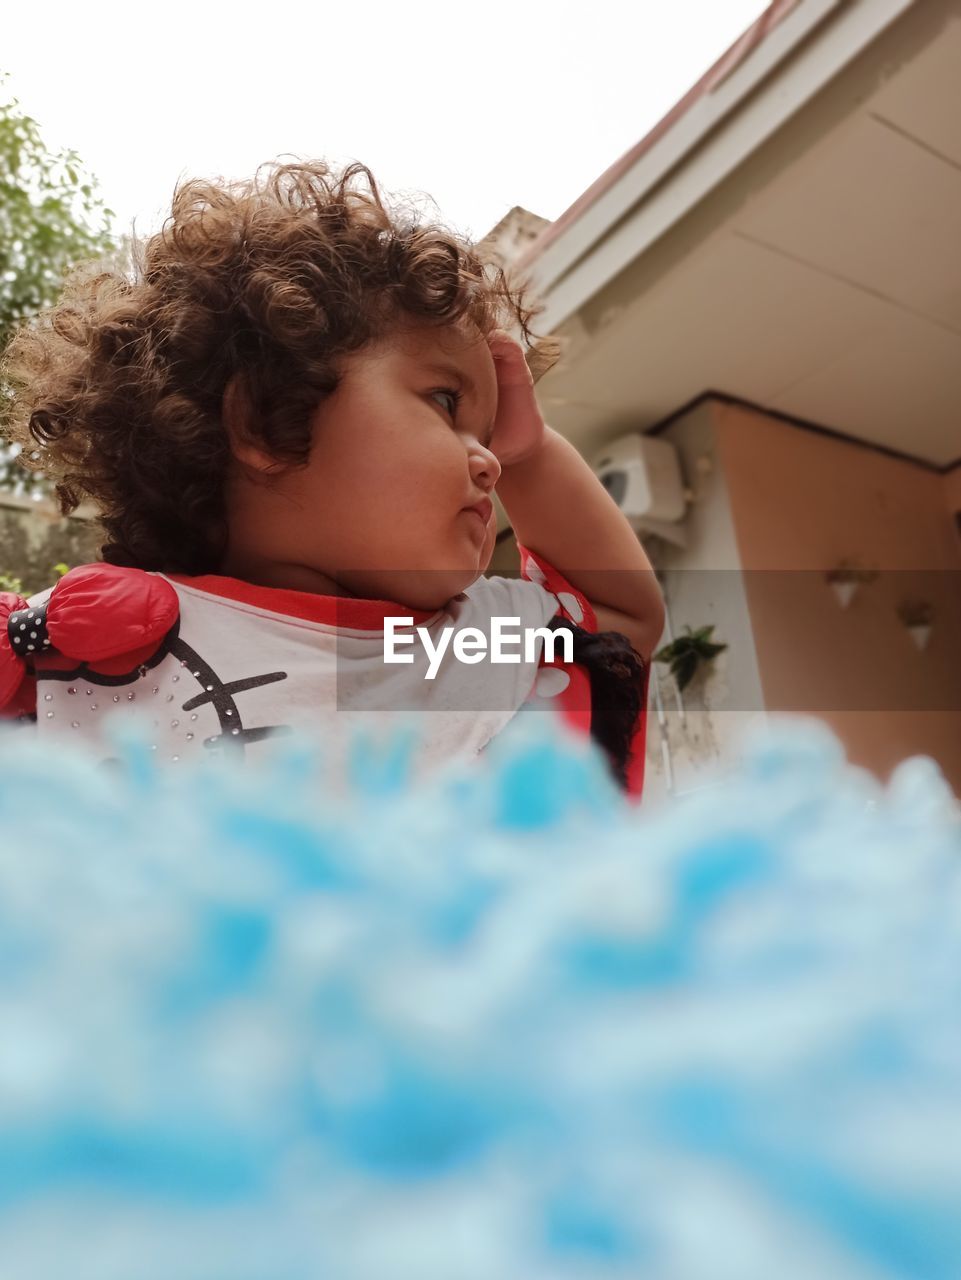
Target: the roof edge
(720, 71)
(751, 104)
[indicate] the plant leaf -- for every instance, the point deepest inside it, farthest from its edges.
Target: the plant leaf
(683, 669)
(712, 650)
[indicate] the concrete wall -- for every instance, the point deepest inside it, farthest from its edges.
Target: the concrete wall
(34, 537)
(703, 726)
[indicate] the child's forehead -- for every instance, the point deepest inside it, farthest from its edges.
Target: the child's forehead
(451, 350)
(448, 343)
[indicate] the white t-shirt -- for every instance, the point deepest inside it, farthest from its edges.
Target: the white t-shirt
(243, 663)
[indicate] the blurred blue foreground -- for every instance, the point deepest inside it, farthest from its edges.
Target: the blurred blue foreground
(503, 1026)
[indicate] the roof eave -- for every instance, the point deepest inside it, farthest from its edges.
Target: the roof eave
(723, 127)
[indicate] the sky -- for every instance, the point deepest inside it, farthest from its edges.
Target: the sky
(478, 109)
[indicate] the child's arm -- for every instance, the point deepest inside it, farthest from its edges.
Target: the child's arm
(558, 507)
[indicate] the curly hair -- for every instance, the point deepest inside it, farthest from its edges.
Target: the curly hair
(619, 679)
(117, 392)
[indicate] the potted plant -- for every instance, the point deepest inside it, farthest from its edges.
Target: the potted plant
(687, 653)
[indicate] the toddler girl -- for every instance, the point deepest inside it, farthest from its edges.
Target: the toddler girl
(292, 421)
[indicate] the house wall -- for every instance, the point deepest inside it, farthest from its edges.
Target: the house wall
(952, 495)
(801, 502)
(693, 735)
(702, 582)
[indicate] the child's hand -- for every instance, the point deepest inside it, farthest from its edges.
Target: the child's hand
(519, 429)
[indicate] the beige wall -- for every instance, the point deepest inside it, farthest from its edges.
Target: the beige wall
(803, 501)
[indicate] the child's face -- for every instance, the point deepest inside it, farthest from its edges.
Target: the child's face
(379, 509)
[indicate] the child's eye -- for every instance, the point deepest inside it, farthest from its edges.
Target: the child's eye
(452, 393)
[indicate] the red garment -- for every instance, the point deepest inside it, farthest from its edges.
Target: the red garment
(99, 614)
(573, 699)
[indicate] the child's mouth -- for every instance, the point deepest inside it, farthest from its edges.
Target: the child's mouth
(484, 509)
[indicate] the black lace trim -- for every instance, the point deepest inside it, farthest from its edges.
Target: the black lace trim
(618, 680)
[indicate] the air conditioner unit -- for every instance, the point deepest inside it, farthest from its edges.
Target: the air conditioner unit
(643, 476)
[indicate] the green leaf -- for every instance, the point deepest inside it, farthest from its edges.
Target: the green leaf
(687, 653)
(712, 650)
(683, 669)
(52, 207)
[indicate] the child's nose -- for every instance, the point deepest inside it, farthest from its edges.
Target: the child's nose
(484, 466)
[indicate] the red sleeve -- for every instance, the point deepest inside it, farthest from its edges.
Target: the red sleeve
(17, 686)
(573, 700)
(572, 603)
(635, 767)
(100, 617)
(23, 702)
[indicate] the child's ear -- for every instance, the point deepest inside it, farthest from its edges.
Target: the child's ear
(236, 416)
